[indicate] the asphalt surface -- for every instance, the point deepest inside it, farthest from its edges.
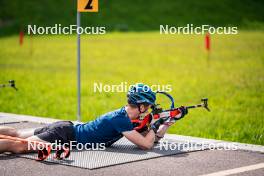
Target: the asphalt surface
(194, 163)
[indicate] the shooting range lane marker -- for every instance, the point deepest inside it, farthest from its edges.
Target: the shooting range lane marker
(87, 6)
(237, 170)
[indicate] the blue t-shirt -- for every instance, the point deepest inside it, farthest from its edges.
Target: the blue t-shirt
(105, 129)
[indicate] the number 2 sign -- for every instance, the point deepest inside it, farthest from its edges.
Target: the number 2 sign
(87, 6)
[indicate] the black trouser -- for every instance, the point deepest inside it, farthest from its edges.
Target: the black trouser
(59, 131)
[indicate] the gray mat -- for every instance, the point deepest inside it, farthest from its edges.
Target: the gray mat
(121, 152)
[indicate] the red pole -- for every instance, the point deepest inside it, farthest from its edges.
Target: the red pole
(21, 37)
(207, 42)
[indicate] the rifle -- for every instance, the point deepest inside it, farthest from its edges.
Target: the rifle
(11, 83)
(157, 112)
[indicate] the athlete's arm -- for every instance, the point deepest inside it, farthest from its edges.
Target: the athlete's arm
(146, 142)
(161, 132)
(143, 142)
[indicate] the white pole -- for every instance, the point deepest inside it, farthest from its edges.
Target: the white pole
(78, 68)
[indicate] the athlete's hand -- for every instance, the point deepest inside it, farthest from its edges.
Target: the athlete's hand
(183, 111)
(155, 126)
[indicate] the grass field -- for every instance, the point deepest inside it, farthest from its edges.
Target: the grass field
(233, 79)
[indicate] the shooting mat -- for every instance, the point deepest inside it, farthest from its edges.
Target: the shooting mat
(123, 151)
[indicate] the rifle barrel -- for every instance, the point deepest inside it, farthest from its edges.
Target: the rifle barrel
(195, 106)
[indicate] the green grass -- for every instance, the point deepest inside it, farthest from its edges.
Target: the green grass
(233, 80)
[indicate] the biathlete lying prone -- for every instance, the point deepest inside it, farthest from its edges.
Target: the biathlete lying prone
(105, 130)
